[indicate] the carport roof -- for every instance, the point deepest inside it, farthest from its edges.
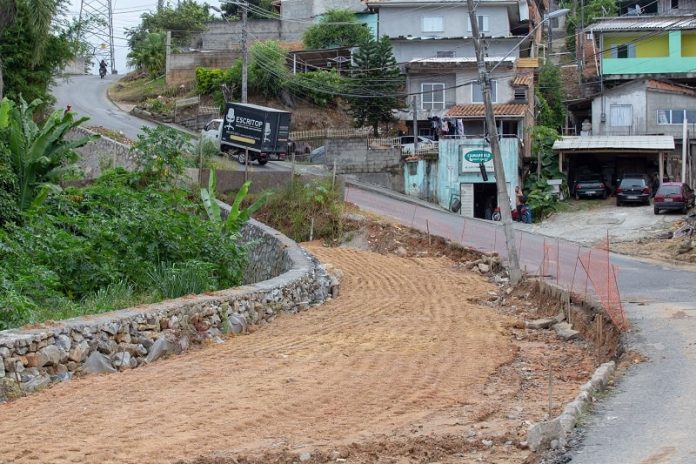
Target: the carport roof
(654, 143)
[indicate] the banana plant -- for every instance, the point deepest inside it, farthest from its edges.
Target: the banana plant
(38, 153)
(237, 215)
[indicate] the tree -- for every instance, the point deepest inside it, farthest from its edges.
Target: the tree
(25, 29)
(337, 28)
(267, 70)
(149, 54)
(37, 154)
(376, 84)
(592, 10)
(147, 40)
(552, 109)
(259, 9)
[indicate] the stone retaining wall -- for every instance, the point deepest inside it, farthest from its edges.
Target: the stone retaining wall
(101, 153)
(293, 280)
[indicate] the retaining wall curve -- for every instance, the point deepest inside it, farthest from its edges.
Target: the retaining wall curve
(281, 277)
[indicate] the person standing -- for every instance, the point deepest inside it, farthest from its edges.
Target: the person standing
(519, 201)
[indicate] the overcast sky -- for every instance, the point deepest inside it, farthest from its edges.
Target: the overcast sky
(126, 14)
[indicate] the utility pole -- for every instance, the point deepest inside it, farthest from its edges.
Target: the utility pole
(503, 197)
(415, 125)
(245, 52)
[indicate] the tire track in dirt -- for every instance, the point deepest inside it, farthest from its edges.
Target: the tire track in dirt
(402, 342)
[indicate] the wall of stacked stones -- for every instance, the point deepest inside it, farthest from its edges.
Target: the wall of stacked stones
(281, 277)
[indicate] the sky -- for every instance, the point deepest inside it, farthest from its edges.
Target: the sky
(126, 15)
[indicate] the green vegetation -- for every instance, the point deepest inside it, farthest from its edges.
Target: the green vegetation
(115, 236)
(336, 28)
(551, 109)
(267, 71)
(375, 71)
(140, 89)
(128, 238)
(147, 40)
(36, 155)
(35, 43)
(592, 10)
(259, 9)
(298, 208)
(540, 197)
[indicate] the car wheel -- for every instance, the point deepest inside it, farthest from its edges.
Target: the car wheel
(605, 195)
(262, 162)
(618, 203)
(656, 210)
(577, 196)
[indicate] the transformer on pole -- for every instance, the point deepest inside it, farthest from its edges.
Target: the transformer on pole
(97, 28)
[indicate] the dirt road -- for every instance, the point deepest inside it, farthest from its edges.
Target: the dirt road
(400, 345)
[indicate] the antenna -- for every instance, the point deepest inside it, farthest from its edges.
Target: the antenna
(99, 29)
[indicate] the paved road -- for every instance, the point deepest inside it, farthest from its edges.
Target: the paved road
(649, 418)
(87, 96)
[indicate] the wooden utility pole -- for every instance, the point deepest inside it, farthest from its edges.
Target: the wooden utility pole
(415, 125)
(245, 53)
(503, 197)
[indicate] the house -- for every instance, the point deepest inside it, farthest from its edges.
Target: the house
(432, 42)
(631, 47)
(455, 174)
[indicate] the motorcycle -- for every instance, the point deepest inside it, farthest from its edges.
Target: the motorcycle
(525, 216)
(102, 72)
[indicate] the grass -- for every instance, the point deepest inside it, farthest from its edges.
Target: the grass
(573, 206)
(139, 90)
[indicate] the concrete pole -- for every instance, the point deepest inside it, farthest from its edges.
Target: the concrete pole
(685, 145)
(245, 52)
(415, 124)
(503, 197)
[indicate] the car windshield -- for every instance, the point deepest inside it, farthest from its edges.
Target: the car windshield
(669, 190)
(632, 183)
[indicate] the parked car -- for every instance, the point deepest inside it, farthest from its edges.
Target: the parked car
(590, 187)
(633, 188)
(408, 145)
(318, 155)
(673, 196)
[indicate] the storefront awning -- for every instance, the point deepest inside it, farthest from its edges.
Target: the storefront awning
(616, 143)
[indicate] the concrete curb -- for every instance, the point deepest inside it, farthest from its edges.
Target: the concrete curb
(552, 434)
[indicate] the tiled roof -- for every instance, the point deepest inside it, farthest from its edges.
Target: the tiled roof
(643, 23)
(524, 79)
(670, 87)
(477, 111)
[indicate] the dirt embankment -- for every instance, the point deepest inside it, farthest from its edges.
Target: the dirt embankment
(418, 360)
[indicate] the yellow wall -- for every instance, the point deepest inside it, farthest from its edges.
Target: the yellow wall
(688, 44)
(655, 46)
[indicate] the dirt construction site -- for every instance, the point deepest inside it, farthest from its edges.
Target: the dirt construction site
(420, 359)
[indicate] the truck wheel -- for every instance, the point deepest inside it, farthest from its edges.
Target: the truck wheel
(241, 157)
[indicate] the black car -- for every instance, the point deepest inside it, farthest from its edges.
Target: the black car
(634, 189)
(591, 187)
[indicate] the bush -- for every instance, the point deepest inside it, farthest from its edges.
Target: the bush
(267, 71)
(8, 189)
(319, 87)
(111, 241)
(209, 81)
(292, 208)
(160, 154)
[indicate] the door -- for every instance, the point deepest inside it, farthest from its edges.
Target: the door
(467, 197)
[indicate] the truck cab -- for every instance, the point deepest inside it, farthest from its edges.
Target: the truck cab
(212, 131)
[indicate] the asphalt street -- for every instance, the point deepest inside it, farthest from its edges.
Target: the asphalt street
(649, 416)
(87, 97)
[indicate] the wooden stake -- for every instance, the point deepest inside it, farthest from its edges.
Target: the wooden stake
(427, 227)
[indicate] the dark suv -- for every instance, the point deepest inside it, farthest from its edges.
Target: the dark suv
(634, 188)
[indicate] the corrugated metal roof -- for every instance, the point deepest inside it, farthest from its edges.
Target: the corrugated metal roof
(604, 142)
(477, 110)
(643, 23)
(461, 59)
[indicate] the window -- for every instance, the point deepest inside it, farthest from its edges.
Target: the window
(555, 23)
(433, 96)
(433, 24)
(675, 4)
(477, 97)
(412, 168)
(623, 51)
(445, 53)
(621, 115)
(520, 94)
(665, 117)
(482, 23)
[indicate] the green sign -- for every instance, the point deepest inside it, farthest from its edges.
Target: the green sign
(478, 156)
